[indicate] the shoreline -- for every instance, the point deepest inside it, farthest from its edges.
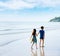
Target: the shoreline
(23, 47)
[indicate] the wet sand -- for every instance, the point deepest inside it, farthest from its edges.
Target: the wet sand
(23, 47)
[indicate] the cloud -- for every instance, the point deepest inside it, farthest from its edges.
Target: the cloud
(49, 3)
(46, 3)
(17, 4)
(21, 4)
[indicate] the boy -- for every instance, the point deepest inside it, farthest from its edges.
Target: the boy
(42, 35)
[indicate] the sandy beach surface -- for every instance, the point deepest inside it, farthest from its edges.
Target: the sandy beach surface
(13, 45)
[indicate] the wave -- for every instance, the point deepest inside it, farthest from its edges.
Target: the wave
(15, 29)
(24, 30)
(9, 42)
(15, 33)
(5, 29)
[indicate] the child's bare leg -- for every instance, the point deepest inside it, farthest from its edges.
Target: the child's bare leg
(42, 42)
(36, 45)
(32, 45)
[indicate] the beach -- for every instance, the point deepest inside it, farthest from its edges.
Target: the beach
(17, 42)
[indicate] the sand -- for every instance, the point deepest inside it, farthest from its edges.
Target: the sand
(22, 47)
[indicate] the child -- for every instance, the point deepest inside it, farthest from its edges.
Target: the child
(34, 39)
(42, 35)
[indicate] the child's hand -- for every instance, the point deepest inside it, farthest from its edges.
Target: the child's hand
(31, 39)
(36, 34)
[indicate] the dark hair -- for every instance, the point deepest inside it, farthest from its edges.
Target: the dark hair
(42, 27)
(34, 32)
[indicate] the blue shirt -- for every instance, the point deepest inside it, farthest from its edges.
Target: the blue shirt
(41, 33)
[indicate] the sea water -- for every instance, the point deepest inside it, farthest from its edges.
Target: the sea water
(10, 28)
(14, 31)
(14, 27)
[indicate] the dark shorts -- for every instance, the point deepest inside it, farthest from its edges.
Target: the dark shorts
(41, 37)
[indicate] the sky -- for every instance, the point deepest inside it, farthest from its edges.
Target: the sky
(29, 10)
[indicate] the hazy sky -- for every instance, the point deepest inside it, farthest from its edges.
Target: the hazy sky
(29, 10)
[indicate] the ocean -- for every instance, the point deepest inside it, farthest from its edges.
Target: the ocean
(13, 37)
(25, 27)
(8, 29)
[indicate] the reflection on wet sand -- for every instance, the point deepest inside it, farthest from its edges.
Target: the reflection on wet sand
(42, 51)
(33, 52)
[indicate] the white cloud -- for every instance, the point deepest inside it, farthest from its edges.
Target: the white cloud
(19, 4)
(46, 3)
(49, 3)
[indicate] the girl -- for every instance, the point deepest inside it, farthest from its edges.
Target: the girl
(34, 39)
